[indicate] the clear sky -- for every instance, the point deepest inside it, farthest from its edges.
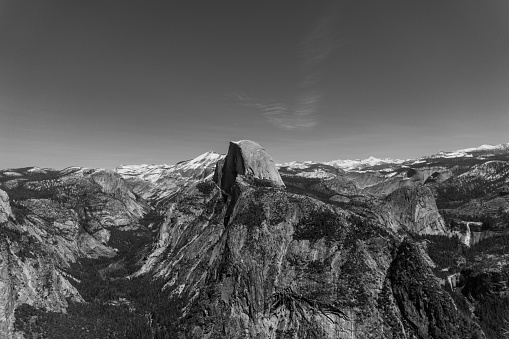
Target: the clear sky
(104, 83)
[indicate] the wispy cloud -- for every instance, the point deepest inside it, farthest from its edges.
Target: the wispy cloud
(316, 47)
(302, 115)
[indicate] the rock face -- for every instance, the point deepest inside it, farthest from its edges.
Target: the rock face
(6, 297)
(246, 158)
(5, 207)
(415, 209)
(416, 175)
(439, 177)
(31, 272)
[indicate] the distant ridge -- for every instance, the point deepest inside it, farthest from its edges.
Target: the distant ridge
(358, 164)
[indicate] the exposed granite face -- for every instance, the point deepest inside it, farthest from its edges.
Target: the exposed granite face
(5, 207)
(192, 228)
(417, 175)
(246, 158)
(112, 183)
(415, 209)
(390, 185)
(439, 176)
(6, 295)
(90, 247)
(31, 272)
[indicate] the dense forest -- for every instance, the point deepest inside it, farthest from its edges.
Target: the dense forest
(116, 306)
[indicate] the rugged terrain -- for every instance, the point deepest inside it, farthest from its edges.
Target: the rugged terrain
(235, 246)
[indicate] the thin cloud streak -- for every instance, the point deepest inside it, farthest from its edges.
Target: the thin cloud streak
(316, 47)
(302, 116)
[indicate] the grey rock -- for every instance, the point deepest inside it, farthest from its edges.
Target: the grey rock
(5, 207)
(103, 236)
(415, 209)
(6, 296)
(249, 159)
(90, 247)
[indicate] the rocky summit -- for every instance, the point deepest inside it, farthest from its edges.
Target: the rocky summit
(235, 246)
(249, 159)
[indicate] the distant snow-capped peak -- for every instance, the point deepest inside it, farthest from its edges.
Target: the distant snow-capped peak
(204, 160)
(194, 167)
(469, 152)
(359, 164)
(296, 164)
(346, 165)
(485, 148)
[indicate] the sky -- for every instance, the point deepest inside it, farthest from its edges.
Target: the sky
(104, 83)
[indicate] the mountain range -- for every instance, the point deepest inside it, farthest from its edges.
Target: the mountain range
(235, 246)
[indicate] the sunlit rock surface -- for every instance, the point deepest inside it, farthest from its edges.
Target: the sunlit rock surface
(5, 207)
(246, 158)
(415, 209)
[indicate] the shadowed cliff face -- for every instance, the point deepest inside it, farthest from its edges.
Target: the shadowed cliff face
(246, 158)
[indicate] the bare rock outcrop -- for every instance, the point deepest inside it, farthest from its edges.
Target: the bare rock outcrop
(416, 175)
(6, 297)
(439, 177)
(246, 158)
(5, 207)
(90, 247)
(112, 183)
(415, 209)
